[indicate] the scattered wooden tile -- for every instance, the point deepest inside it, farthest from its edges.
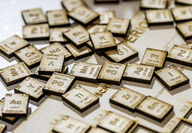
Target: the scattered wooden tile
(70, 125)
(56, 48)
(12, 44)
(34, 16)
(182, 13)
(154, 108)
(159, 17)
(9, 119)
(127, 98)
(154, 57)
(14, 73)
(111, 73)
(139, 73)
(78, 35)
(116, 123)
(78, 52)
(31, 87)
(36, 32)
(171, 77)
(83, 15)
(181, 55)
(118, 26)
(183, 2)
(15, 105)
(102, 41)
(86, 71)
(80, 98)
(30, 55)
(57, 17)
(51, 63)
(123, 53)
(69, 5)
(97, 28)
(185, 30)
(59, 83)
(153, 4)
(56, 35)
(183, 127)
(105, 17)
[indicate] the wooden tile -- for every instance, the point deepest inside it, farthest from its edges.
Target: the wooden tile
(14, 73)
(80, 98)
(171, 77)
(12, 44)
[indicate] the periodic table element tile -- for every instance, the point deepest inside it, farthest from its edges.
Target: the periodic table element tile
(182, 13)
(116, 123)
(78, 52)
(123, 53)
(183, 127)
(154, 108)
(118, 26)
(103, 41)
(127, 98)
(80, 98)
(31, 87)
(181, 55)
(30, 55)
(15, 105)
(153, 4)
(59, 83)
(78, 35)
(8, 119)
(56, 35)
(86, 71)
(70, 125)
(154, 57)
(105, 17)
(69, 5)
(139, 73)
(111, 73)
(57, 17)
(97, 130)
(142, 129)
(97, 28)
(2, 128)
(14, 73)
(159, 17)
(12, 44)
(90, 44)
(171, 77)
(184, 2)
(34, 32)
(83, 15)
(185, 29)
(56, 48)
(51, 63)
(34, 16)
